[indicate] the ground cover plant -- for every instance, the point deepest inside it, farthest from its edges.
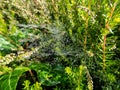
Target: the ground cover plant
(59, 44)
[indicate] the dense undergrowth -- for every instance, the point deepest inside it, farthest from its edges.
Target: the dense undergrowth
(59, 44)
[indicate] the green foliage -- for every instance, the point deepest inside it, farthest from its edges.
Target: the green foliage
(36, 86)
(5, 45)
(77, 78)
(66, 46)
(9, 80)
(48, 75)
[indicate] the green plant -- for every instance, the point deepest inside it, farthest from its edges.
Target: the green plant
(10, 79)
(77, 78)
(49, 36)
(36, 86)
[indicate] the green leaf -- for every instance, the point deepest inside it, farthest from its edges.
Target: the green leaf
(48, 75)
(5, 45)
(9, 81)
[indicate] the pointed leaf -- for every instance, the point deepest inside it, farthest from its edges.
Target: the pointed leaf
(9, 81)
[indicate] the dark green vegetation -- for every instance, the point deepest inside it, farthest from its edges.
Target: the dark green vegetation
(59, 45)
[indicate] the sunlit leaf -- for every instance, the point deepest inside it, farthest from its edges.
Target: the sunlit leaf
(8, 81)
